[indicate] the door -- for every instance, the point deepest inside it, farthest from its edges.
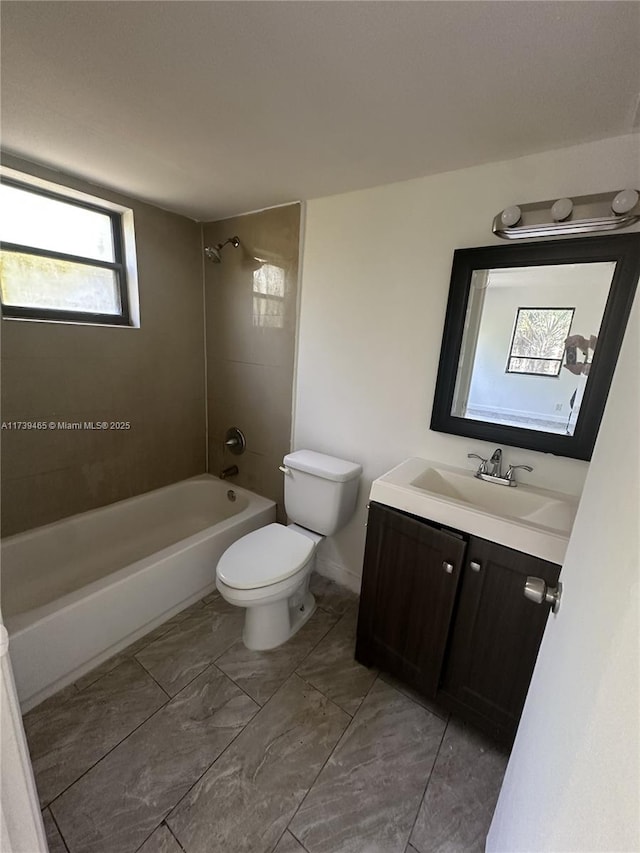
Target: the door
(411, 572)
(496, 635)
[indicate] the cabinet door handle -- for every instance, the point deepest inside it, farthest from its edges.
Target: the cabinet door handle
(448, 567)
(475, 567)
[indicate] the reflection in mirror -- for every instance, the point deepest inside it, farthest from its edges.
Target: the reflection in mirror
(529, 337)
(269, 296)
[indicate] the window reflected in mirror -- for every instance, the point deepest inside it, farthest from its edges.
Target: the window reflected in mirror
(528, 341)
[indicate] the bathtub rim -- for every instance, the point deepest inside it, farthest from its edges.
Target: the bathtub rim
(89, 513)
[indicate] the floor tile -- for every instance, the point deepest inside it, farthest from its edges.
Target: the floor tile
(131, 650)
(458, 806)
(331, 596)
(367, 796)
(209, 599)
(289, 844)
(429, 704)
(115, 806)
(66, 740)
(261, 673)
(54, 839)
(189, 648)
(333, 669)
(54, 702)
(162, 841)
(247, 798)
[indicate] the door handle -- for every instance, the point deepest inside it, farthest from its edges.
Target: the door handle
(475, 567)
(536, 590)
(448, 567)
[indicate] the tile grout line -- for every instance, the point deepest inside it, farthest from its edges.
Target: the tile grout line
(211, 663)
(169, 828)
(293, 671)
(426, 787)
(102, 757)
(155, 829)
(55, 823)
(339, 741)
(260, 707)
(161, 708)
(155, 681)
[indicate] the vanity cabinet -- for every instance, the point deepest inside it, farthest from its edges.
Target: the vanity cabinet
(411, 574)
(445, 612)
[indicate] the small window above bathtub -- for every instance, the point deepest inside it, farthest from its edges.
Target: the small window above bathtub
(65, 256)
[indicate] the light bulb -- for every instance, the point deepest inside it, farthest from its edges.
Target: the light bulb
(510, 215)
(625, 201)
(561, 209)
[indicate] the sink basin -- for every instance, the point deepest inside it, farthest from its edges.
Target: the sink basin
(535, 521)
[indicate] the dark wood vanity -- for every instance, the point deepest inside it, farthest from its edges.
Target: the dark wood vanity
(444, 611)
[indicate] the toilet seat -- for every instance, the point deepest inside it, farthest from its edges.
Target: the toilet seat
(264, 557)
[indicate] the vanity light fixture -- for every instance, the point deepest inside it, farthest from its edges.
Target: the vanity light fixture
(625, 201)
(510, 216)
(580, 215)
(562, 209)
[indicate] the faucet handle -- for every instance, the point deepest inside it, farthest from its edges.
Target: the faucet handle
(482, 469)
(509, 475)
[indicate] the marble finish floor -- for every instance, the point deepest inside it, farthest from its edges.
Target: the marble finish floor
(188, 742)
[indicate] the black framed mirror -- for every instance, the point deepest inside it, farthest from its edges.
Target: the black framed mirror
(531, 339)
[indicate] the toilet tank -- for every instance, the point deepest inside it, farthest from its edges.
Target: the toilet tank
(320, 491)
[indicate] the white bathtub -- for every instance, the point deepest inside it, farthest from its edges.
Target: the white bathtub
(79, 590)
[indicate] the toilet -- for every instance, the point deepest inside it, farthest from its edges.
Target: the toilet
(268, 571)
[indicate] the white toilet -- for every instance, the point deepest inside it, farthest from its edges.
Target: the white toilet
(268, 570)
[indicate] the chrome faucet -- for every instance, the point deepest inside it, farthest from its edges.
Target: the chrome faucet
(495, 463)
(491, 469)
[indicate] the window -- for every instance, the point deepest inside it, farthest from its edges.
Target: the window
(62, 257)
(537, 346)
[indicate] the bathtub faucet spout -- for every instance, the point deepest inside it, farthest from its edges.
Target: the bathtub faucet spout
(231, 471)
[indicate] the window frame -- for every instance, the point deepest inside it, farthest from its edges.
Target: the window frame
(533, 357)
(118, 265)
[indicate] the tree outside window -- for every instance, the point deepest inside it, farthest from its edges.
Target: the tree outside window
(537, 347)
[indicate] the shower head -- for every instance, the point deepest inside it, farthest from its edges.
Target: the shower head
(214, 253)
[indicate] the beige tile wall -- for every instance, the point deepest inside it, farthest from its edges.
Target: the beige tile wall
(249, 364)
(152, 376)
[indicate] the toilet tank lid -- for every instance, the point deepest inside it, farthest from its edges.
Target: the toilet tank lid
(329, 467)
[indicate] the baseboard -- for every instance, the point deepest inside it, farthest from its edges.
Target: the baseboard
(338, 573)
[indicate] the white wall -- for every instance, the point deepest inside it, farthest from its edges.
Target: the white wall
(573, 779)
(375, 280)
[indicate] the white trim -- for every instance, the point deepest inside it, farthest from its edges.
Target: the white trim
(21, 826)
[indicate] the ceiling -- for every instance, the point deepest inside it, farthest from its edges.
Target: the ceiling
(216, 108)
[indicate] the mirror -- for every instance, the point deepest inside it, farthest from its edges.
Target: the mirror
(532, 335)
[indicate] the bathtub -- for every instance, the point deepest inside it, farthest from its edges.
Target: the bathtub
(77, 591)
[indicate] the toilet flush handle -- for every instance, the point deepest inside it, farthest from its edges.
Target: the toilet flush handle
(284, 469)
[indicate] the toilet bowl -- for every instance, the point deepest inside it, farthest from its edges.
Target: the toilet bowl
(268, 571)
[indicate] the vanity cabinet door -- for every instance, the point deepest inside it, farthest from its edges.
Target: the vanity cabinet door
(411, 572)
(496, 636)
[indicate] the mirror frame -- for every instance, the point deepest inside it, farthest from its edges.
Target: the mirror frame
(624, 249)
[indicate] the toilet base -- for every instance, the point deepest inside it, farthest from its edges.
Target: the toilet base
(268, 626)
